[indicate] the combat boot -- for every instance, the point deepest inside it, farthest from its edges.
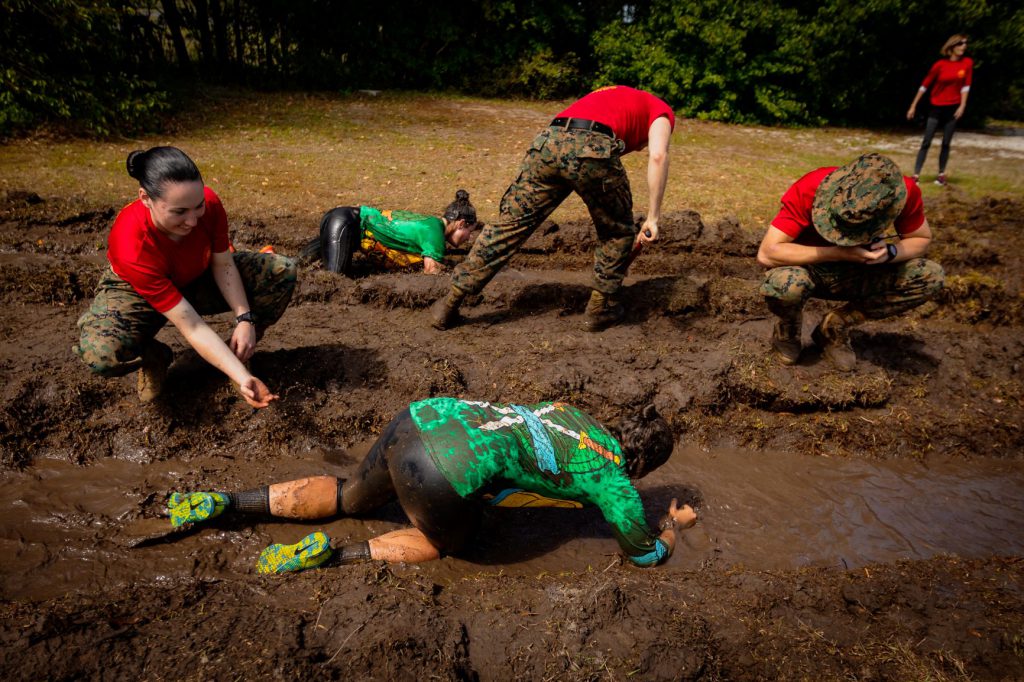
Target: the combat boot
(786, 338)
(603, 311)
(832, 335)
(445, 311)
(153, 371)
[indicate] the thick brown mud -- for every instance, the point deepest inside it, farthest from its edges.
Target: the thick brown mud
(856, 526)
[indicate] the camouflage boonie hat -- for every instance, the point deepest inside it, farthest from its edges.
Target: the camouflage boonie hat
(858, 201)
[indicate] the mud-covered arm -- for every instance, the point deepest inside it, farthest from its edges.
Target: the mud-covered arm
(212, 348)
(225, 274)
(638, 542)
(432, 267)
(778, 249)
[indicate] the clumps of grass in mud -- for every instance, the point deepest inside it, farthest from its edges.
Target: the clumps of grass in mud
(33, 414)
(446, 378)
(975, 297)
(53, 284)
(759, 381)
(729, 298)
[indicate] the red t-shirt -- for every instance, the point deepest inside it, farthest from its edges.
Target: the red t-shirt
(795, 216)
(157, 266)
(627, 111)
(947, 78)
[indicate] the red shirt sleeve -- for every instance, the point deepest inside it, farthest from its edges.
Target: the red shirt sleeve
(912, 216)
(969, 64)
(795, 215)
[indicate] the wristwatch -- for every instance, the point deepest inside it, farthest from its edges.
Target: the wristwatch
(246, 317)
(890, 249)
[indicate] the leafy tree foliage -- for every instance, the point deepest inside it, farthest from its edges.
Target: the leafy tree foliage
(796, 61)
(69, 62)
(100, 66)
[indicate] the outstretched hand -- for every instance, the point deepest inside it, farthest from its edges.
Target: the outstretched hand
(685, 516)
(256, 392)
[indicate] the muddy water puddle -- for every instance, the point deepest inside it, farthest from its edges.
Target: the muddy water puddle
(67, 528)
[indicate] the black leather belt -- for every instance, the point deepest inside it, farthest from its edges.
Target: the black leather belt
(582, 124)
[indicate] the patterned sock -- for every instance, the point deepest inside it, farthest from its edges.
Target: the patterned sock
(256, 501)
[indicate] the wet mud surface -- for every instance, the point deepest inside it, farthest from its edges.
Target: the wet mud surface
(854, 526)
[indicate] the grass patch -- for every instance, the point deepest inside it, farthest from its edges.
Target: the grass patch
(295, 155)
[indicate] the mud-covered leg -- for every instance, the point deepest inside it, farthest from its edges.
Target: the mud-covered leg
(116, 329)
(528, 201)
(604, 187)
(407, 545)
(786, 290)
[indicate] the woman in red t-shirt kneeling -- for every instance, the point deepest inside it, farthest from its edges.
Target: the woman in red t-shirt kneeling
(170, 259)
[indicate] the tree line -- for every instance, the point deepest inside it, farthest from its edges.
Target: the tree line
(106, 66)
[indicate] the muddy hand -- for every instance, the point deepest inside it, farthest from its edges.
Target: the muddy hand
(243, 342)
(685, 516)
(256, 393)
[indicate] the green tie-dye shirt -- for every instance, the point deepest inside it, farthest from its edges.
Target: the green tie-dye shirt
(422, 235)
(552, 449)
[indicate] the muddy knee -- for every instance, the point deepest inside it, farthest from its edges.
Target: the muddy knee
(931, 276)
(285, 270)
(105, 359)
(787, 287)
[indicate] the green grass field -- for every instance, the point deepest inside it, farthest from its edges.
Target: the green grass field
(277, 154)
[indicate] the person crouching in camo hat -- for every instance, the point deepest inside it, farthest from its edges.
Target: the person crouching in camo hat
(856, 233)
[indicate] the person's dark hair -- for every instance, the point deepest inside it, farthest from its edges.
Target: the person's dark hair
(157, 166)
(460, 209)
(646, 441)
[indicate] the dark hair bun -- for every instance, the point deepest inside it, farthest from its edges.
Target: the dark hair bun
(134, 164)
(461, 196)
(650, 413)
(157, 166)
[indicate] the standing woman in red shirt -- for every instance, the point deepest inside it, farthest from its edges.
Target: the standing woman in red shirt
(950, 83)
(170, 260)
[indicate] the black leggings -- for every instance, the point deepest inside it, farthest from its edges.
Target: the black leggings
(340, 234)
(936, 116)
(399, 466)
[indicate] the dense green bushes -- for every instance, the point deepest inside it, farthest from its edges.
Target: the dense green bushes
(811, 62)
(101, 66)
(69, 62)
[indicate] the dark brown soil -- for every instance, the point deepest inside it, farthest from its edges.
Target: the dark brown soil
(944, 381)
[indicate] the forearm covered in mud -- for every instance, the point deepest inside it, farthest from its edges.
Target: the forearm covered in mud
(206, 342)
(229, 282)
(789, 253)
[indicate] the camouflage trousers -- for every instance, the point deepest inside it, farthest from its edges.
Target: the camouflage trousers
(558, 163)
(878, 291)
(120, 323)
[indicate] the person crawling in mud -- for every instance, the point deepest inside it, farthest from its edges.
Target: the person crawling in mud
(445, 459)
(580, 151)
(170, 260)
(857, 234)
(391, 240)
